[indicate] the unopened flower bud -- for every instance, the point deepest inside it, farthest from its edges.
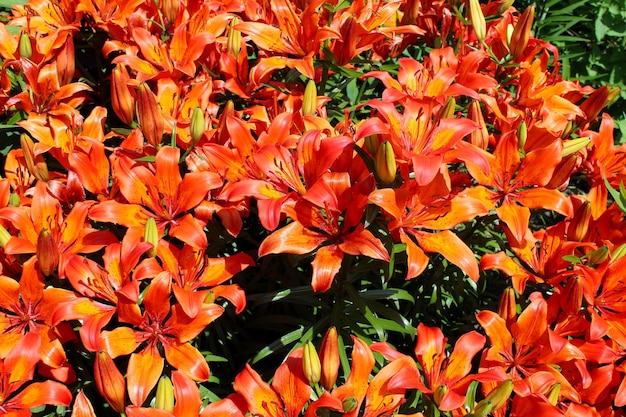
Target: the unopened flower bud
(478, 19)
(618, 252)
(47, 252)
(522, 135)
(439, 393)
(14, 200)
(614, 93)
(478, 137)
(553, 395)
(482, 409)
(349, 404)
(311, 365)
(170, 10)
(309, 100)
(448, 109)
(109, 381)
(371, 144)
(209, 298)
(504, 6)
(25, 47)
(596, 257)
(234, 38)
(150, 117)
(197, 124)
(577, 229)
(500, 395)
(385, 163)
(507, 307)
(36, 164)
(521, 33)
(329, 358)
(164, 395)
(572, 298)
(122, 99)
(574, 145)
(151, 235)
(4, 236)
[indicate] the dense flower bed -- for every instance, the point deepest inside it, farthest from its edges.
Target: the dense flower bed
(165, 160)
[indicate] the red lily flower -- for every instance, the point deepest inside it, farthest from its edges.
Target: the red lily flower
(317, 225)
(17, 367)
(161, 325)
(160, 192)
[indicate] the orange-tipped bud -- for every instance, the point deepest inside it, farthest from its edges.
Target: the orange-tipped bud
(572, 299)
(521, 33)
(36, 164)
(122, 99)
(385, 163)
(109, 381)
(563, 171)
(594, 104)
(371, 144)
(309, 100)
(151, 235)
(25, 47)
(164, 395)
(480, 136)
(478, 19)
(47, 252)
(311, 365)
(349, 404)
(150, 117)
(449, 109)
(507, 307)
(329, 357)
(577, 229)
(499, 396)
(196, 127)
(170, 10)
(233, 43)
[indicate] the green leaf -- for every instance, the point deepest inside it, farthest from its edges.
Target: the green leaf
(352, 91)
(618, 197)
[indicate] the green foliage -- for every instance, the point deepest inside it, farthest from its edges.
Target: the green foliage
(591, 37)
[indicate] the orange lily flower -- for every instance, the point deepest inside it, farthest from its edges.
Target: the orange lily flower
(605, 160)
(414, 210)
(296, 35)
(160, 327)
(160, 192)
(196, 276)
(529, 346)
(17, 395)
(287, 395)
(446, 376)
(28, 308)
(187, 401)
(69, 234)
(419, 140)
(122, 273)
(317, 225)
(514, 184)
